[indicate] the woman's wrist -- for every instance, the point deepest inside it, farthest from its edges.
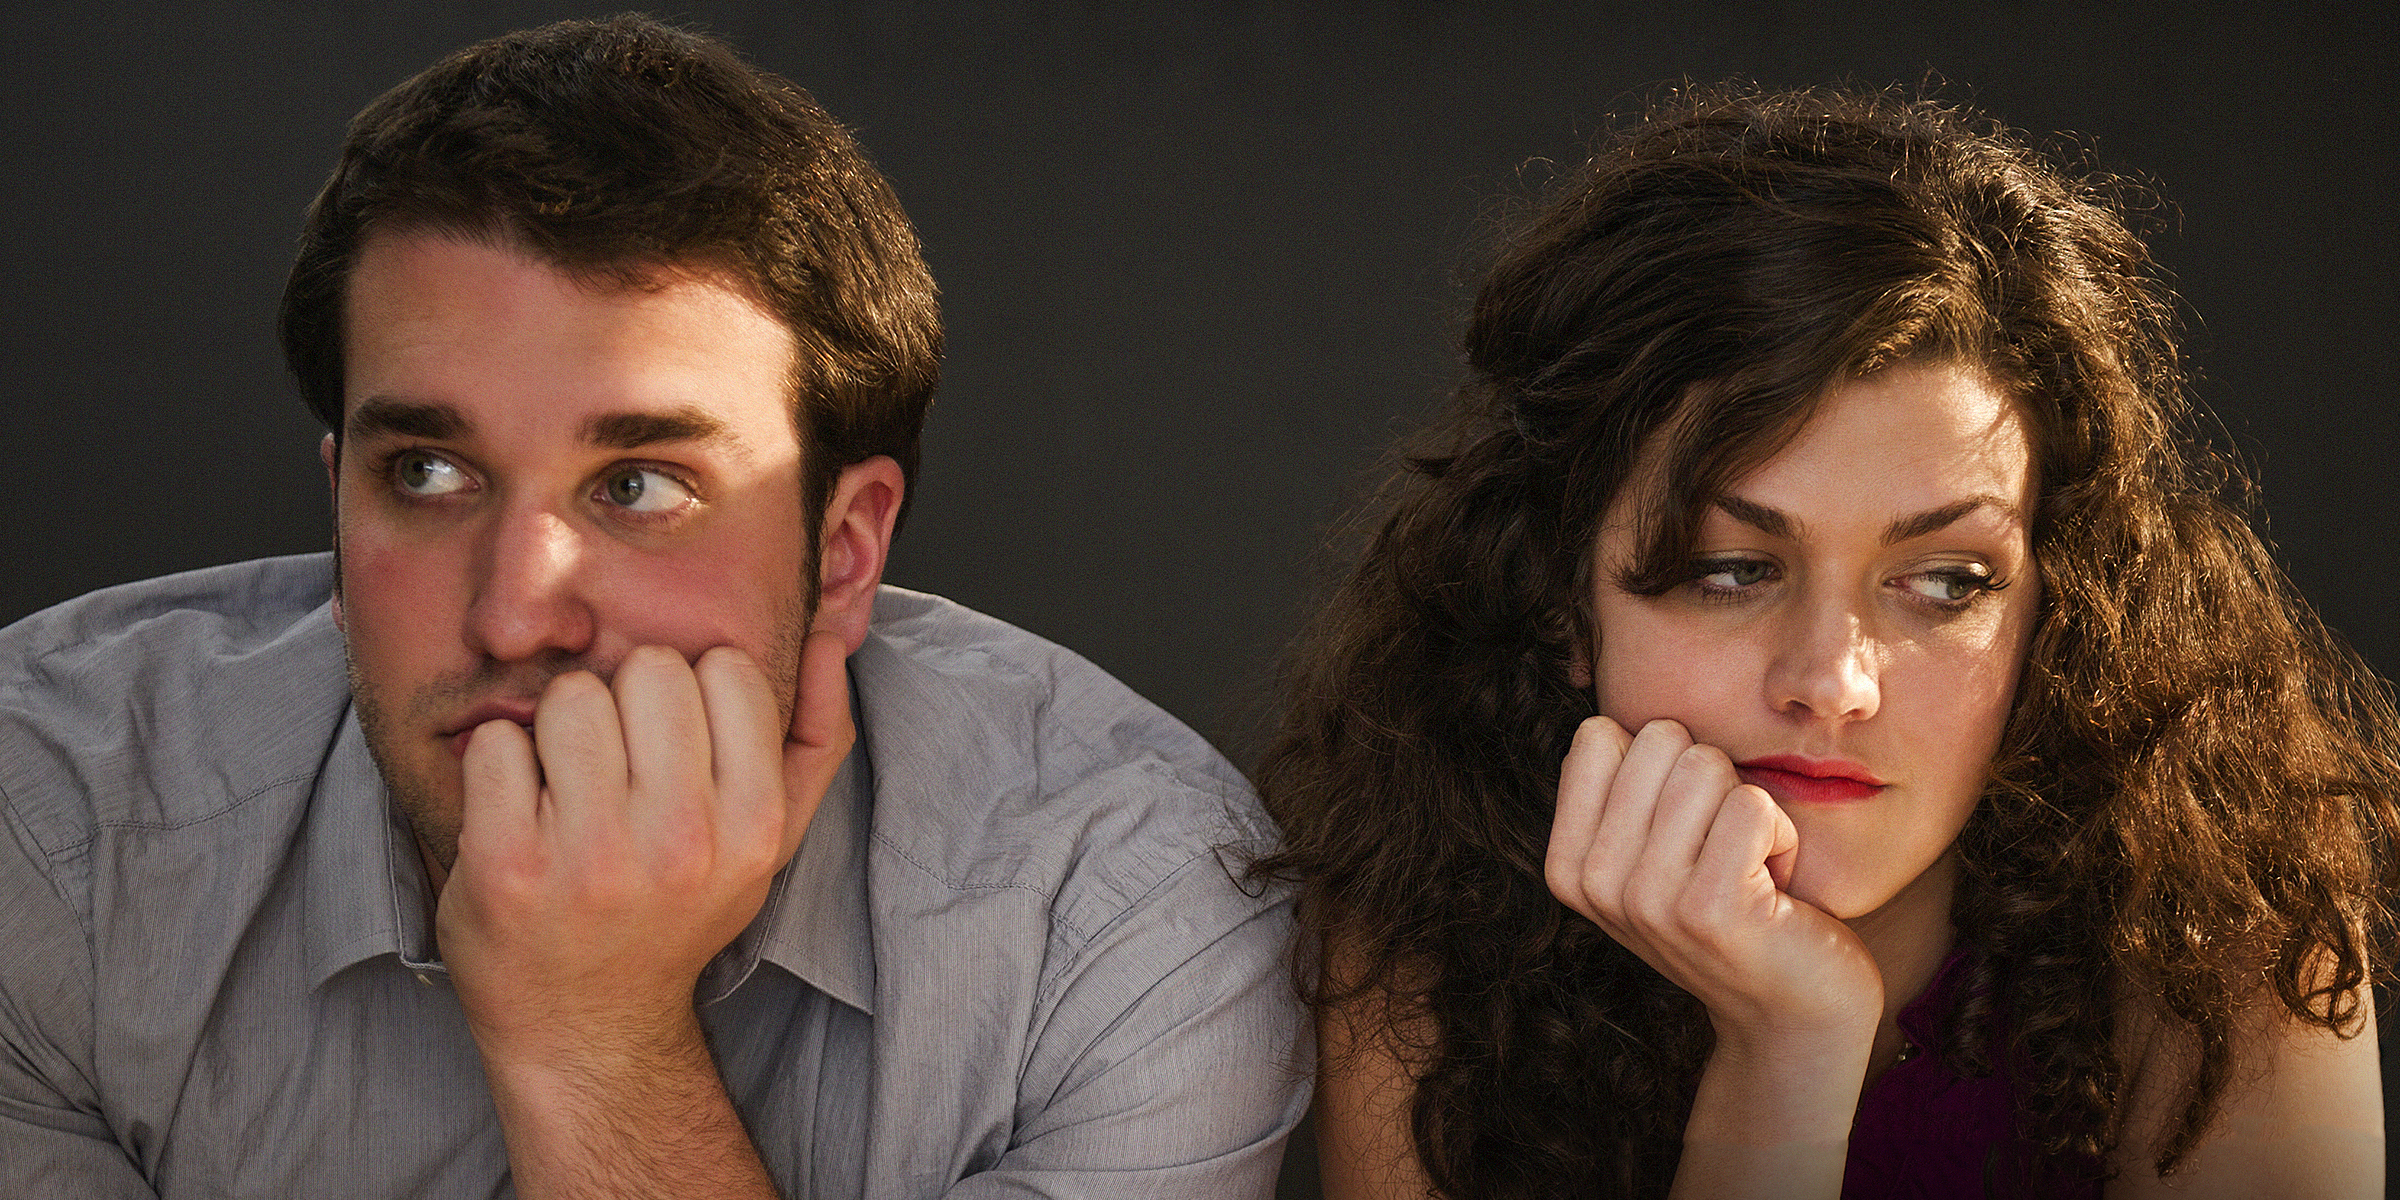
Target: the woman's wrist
(1762, 1032)
(1772, 1115)
(1783, 1084)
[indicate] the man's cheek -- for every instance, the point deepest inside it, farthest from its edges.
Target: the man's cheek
(694, 611)
(393, 593)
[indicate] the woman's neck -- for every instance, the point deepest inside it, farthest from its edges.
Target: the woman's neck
(1909, 937)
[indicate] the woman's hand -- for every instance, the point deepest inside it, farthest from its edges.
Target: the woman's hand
(1664, 847)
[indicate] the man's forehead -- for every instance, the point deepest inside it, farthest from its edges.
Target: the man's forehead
(439, 266)
(447, 334)
(637, 273)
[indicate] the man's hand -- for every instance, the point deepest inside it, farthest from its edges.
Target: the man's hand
(604, 860)
(601, 863)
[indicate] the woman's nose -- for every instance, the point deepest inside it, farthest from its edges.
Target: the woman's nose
(1828, 667)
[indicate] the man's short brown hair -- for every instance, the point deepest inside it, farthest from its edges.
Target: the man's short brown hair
(621, 148)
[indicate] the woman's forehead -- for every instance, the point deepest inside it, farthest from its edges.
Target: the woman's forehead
(1916, 435)
(1921, 435)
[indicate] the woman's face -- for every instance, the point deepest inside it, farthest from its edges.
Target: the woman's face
(1851, 632)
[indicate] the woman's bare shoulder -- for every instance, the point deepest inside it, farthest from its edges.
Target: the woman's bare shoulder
(1366, 1041)
(2301, 1118)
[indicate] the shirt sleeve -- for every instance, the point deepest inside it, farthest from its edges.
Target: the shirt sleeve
(53, 1141)
(1176, 1060)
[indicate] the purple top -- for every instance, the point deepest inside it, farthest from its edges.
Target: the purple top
(1922, 1132)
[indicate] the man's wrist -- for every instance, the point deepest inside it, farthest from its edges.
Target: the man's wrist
(545, 1046)
(628, 1111)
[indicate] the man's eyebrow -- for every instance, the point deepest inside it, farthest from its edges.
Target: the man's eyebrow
(380, 416)
(1903, 528)
(634, 430)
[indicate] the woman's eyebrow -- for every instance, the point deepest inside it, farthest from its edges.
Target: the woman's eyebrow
(1776, 523)
(1903, 528)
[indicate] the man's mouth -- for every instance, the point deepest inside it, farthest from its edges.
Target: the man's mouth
(460, 733)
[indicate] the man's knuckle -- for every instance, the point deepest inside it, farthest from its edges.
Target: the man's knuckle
(727, 661)
(573, 686)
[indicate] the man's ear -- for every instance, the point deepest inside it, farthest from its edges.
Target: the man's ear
(330, 454)
(854, 543)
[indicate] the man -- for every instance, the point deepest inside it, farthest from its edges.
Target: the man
(528, 843)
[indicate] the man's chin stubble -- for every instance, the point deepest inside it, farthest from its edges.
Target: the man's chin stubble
(434, 824)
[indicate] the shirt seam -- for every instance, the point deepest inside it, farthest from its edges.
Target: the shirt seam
(1047, 994)
(1084, 937)
(1081, 738)
(55, 860)
(99, 826)
(146, 613)
(1048, 895)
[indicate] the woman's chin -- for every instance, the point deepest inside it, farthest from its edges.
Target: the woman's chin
(1827, 890)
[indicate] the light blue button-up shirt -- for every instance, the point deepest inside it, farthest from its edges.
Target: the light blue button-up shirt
(1010, 959)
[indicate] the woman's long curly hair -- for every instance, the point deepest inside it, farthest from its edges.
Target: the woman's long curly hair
(2194, 797)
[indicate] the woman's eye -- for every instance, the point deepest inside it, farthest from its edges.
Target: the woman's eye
(1950, 586)
(1733, 574)
(419, 473)
(645, 490)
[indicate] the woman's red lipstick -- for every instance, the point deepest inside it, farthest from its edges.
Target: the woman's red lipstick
(1789, 778)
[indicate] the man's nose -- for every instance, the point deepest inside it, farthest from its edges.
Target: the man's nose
(1829, 666)
(528, 595)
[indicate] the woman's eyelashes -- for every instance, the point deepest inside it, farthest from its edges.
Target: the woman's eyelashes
(1952, 587)
(1732, 578)
(1945, 588)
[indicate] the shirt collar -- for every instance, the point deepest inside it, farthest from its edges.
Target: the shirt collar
(815, 921)
(365, 893)
(363, 887)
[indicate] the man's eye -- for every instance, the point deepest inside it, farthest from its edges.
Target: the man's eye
(419, 473)
(645, 490)
(1732, 574)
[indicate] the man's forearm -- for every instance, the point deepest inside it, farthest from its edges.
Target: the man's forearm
(634, 1113)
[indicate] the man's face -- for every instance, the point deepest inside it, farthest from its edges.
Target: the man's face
(539, 474)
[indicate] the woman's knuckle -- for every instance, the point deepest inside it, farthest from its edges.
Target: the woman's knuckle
(1703, 761)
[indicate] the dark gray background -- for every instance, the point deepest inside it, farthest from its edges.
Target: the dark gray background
(1201, 263)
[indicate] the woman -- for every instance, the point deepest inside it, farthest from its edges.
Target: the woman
(1808, 721)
